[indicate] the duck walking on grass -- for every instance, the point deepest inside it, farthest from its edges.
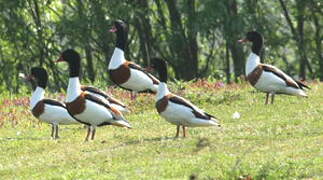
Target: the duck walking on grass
(127, 74)
(84, 107)
(175, 109)
(267, 78)
(47, 110)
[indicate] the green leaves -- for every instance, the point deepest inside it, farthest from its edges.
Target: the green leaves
(197, 38)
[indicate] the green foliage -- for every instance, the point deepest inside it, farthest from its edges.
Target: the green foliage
(279, 141)
(197, 38)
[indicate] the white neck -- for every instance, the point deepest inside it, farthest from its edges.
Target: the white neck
(252, 62)
(162, 91)
(117, 59)
(73, 89)
(37, 95)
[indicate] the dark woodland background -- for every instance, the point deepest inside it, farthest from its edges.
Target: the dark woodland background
(197, 38)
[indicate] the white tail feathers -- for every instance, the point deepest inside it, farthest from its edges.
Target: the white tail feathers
(302, 93)
(215, 122)
(123, 123)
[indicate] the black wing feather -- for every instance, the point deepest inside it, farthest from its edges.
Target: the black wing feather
(97, 100)
(302, 85)
(94, 90)
(275, 71)
(54, 102)
(137, 67)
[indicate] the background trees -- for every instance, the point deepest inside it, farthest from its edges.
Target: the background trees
(197, 38)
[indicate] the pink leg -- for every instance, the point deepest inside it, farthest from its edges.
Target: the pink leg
(177, 132)
(267, 97)
(88, 133)
(272, 98)
(133, 95)
(184, 131)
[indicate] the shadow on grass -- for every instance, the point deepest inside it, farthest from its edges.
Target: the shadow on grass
(156, 139)
(134, 142)
(24, 138)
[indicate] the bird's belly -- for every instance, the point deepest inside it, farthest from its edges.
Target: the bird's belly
(56, 115)
(177, 114)
(138, 81)
(268, 82)
(94, 114)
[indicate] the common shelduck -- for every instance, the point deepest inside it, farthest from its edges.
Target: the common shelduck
(47, 110)
(175, 109)
(105, 96)
(84, 107)
(127, 74)
(267, 78)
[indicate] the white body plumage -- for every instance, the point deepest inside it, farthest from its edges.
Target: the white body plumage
(178, 114)
(94, 113)
(270, 82)
(52, 114)
(138, 80)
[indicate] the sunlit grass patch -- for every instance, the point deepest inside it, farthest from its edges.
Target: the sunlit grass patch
(279, 141)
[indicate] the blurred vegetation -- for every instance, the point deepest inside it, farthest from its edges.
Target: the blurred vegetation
(197, 38)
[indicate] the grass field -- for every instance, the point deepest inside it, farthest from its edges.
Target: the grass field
(279, 141)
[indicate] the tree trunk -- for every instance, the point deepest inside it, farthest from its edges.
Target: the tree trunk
(185, 47)
(298, 35)
(227, 58)
(232, 32)
(318, 42)
(301, 43)
(104, 37)
(192, 37)
(35, 13)
(85, 40)
(144, 29)
(89, 62)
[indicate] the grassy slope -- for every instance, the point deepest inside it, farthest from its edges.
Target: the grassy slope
(284, 140)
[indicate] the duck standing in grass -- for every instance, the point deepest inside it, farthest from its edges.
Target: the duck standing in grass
(267, 78)
(126, 74)
(84, 107)
(47, 110)
(175, 109)
(105, 96)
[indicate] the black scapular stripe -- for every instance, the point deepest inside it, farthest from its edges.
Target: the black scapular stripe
(54, 103)
(184, 102)
(94, 90)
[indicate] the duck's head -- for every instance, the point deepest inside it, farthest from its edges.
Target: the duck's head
(73, 59)
(119, 27)
(160, 66)
(39, 75)
(251, 36)
(256, 39)
(70, 56)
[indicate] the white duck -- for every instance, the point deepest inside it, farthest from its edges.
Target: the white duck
(84, 107)
(126, 74)
(47, 110)
(267, 78)
(175, 109)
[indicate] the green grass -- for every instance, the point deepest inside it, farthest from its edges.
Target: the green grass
(280, 141)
